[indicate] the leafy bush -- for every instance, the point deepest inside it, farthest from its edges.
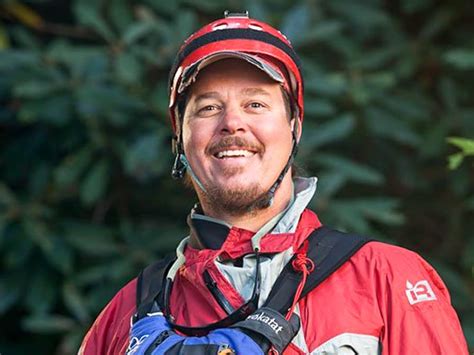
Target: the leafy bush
(85, 194)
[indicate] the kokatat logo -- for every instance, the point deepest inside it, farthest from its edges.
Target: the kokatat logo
(420, 292)
(261, 317)
(135, 343)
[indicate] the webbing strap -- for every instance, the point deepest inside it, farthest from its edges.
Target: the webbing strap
(328, 249)
(150, 283)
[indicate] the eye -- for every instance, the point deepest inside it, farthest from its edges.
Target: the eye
(208, 110)
(256, 105)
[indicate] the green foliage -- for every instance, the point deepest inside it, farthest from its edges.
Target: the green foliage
(467, 149)
(85, 194)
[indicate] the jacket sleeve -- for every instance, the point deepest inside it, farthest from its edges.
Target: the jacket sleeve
(109, 332)
(416, 307)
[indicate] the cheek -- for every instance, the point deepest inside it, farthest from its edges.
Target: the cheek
(195, 140)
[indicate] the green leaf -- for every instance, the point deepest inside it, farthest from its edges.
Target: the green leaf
(94, 100)
(407, 106)
(329, 183)
(136, 31)
(455, 160)
(362, 14)
(121, 14)
(88, 14)
(71, 168)
(465, 144)
(75, 302)
(437, 23)
(47, 324)
(145, 158)
(460, 58)
(205, 5)
(352, 170)
(95, 183)
(86, 63)
(39, 232)
(376, 59)
(414, 6)
(34, 89)
(54, 109)
(355, 214)
(115, 269)
(449, 93)
(333, 85)
(319, 107)
(17, 252)
(90, 239)
(129, 70)
(329, 132)
(186, 23)
(53, 247)
(296, 21)
(321, 31)
(468, 254)
(18, 58)
(167, 8)
(460, 295)
(7, 196)
(9, 292)
(24, 37)
(384, 124)
(42, 290)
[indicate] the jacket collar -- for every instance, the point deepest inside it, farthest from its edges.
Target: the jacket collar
(212, 233)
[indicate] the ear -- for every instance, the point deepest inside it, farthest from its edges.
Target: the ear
(296, 127)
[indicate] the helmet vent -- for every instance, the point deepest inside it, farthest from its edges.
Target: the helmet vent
(220, 26)
(255, 26)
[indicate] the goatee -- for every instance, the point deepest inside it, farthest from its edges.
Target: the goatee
(237, 202)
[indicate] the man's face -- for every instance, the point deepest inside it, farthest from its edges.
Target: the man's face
(236, 134)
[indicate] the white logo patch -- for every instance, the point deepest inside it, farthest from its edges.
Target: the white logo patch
(419, 292)
(135, 344)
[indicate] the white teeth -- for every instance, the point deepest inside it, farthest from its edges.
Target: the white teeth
(234, 153)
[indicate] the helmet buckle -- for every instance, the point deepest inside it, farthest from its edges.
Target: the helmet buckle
(228, 14)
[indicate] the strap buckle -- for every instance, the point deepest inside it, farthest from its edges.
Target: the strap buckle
(228, 14)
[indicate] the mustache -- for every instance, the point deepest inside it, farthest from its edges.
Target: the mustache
(234, 142)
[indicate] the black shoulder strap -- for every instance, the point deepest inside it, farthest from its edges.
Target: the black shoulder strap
(149, 284)
(328, 249)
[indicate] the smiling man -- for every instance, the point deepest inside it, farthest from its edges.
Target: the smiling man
(237, 136)
(258, 272)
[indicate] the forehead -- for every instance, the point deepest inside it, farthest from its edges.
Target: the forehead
(236, 73)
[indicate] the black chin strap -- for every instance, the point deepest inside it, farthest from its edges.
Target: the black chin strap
(271, 192)
(179, 168)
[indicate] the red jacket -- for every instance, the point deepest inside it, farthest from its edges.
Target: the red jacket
(385, 299)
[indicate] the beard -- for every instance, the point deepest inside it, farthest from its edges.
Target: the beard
(235, 202)
(238, 202)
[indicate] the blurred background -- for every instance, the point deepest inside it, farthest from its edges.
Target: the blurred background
(86, 198)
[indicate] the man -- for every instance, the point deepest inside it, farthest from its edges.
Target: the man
(236, 106)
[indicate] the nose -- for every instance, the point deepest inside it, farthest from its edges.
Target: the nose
(232, 121)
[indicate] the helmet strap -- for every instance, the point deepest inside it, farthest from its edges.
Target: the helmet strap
(179, 168)
(277, 183)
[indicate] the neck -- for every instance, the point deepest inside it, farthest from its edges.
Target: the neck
(253, 220)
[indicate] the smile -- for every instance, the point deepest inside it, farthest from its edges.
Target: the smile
(234, 154)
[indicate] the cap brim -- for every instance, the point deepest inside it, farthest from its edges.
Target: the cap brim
(190, 73)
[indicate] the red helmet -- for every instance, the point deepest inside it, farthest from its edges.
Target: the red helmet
(237, 35)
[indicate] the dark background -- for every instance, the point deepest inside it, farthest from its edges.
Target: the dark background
(86, 198)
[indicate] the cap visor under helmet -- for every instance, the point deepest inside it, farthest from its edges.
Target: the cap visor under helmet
(190, 73)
